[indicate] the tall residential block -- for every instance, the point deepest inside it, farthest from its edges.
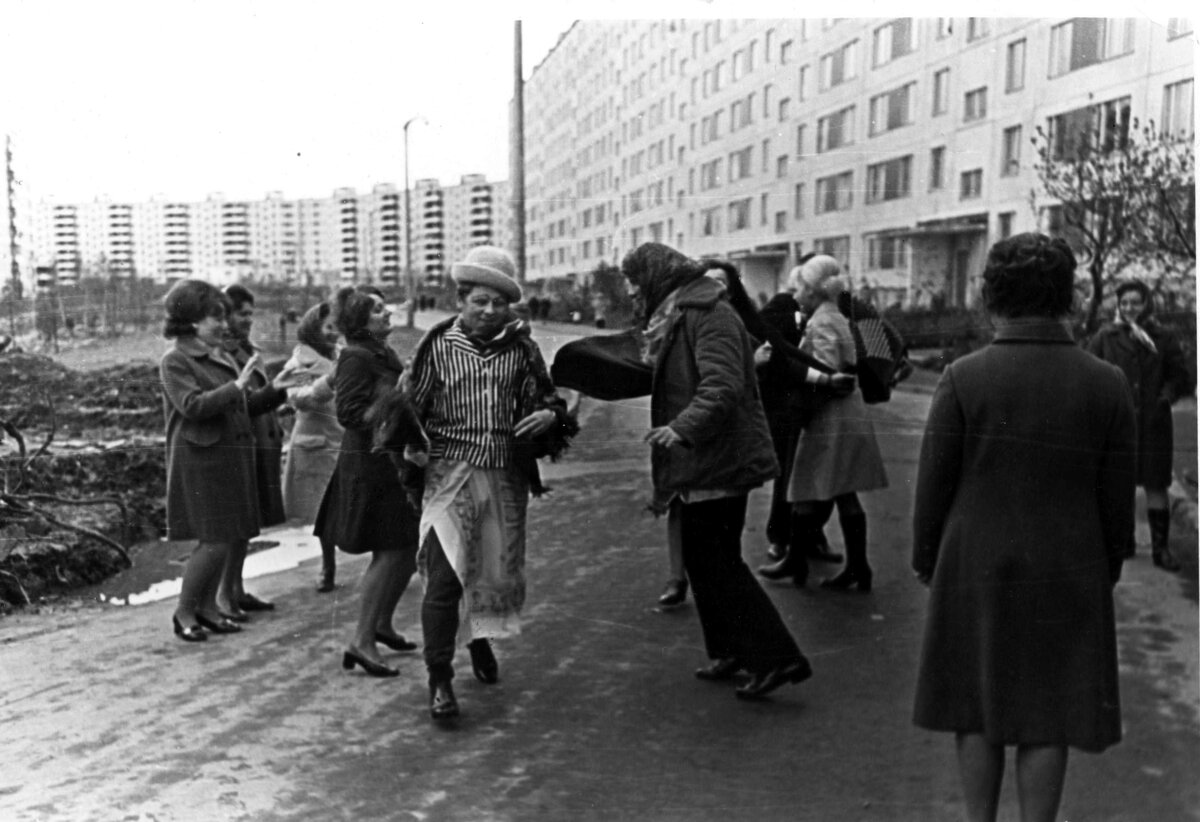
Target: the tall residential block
(901, 146)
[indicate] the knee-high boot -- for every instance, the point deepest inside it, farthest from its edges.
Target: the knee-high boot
(857, 572)
(1160, 532)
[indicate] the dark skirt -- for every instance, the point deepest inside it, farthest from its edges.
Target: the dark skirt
(365, 508)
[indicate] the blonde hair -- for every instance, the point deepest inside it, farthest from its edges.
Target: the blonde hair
(822, 274)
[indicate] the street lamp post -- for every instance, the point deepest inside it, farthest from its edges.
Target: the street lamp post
(411, 275)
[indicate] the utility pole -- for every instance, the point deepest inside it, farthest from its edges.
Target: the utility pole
(14, 291)
(517, 161)
(408, 269)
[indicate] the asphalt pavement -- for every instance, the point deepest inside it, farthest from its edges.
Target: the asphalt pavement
(106, 716)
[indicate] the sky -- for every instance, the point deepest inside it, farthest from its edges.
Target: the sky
(180, 99)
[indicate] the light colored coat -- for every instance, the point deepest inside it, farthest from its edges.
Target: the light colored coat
(316, 436)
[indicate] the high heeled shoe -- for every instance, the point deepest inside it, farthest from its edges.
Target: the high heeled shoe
(249, 602)
(396, 643)
(351, 657)
(219, 626)
(790, 566)
(767, 681)
(674, 594)
(720, 670)
(442, 703)
(192, 633)
(483, 661)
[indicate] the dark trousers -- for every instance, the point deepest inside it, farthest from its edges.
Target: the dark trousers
(439, 610)
(780, 522)
(737, 617)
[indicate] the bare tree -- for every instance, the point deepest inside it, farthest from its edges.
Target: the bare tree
(1123, 195)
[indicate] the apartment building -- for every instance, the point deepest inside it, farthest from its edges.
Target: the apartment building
(900, 146)
(347, 237)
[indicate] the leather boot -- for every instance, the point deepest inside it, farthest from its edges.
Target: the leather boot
(1160, 532)
(857, 572)
(795, 562)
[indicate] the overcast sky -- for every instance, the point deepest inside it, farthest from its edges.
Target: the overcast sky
(180, 98)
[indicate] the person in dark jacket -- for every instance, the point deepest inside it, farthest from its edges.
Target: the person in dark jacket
(210, 457)
(365, 508)
(709, 447)
(261, 401)
(1152, 360)
(1024, 503)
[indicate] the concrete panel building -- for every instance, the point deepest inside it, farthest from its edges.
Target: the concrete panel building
(900, 146)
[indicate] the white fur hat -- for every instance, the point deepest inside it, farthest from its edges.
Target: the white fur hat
(490, 266)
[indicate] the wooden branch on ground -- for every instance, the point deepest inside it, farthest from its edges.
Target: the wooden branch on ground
(20, 587)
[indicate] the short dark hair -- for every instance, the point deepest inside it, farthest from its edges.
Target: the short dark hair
(309, 329)
(238, 295)
(187, 303)
(353, 306)
(1029, 275)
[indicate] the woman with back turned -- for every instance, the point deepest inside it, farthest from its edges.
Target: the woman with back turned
(1023, 508)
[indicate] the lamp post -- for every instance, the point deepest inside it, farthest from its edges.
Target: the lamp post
(408, 269)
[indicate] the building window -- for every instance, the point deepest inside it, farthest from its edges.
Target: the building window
(739, 214)
(784, 105)
(800, 141)
(975, 104)
(1011, 163)
(971, 184)
(890, 180)
(945, 27)
(1104, 126)
(892, 110)
(1179, 101)
(710, 174)
(941, 91)
(803, 83)
(977, 28)
(781, 166)
(766, 155)
(739, 164)
(763, 209)
(1006, 224)
(798, 203)
(785, 52)
(1086, 41)
(893, 40)
(834, 193)
(1014, 67)
(836, 247)
(1178, 26)
(888, 252)
(780, 222)
(835, 130)
(937, 168)
(710, 221)
(839, 65)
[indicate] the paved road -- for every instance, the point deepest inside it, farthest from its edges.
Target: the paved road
(106, 716)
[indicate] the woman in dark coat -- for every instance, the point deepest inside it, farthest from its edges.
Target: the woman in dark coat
(1154, 365)
(710, 447)
(1024, 504)
(211, 493)
(365, 508)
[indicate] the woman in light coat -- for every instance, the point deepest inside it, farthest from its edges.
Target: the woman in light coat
(316, 436)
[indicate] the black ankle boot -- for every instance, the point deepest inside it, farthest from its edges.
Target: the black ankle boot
(1160, 532)
(442, 703)
(857, 572)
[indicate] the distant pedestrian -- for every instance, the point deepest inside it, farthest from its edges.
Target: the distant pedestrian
(211, 491)
(365, 508)
(1153, 363)
(481, 468)
(709, 447)
(1024, 505)
(316, 435)
(262, 400)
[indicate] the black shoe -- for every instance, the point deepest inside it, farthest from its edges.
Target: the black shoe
(776, 551)
(786, 567)
(236, 616)
(249, 602)
(442, 704)
(219, 626)
(849, 578)
(720, 670)
(674, 594)
(192, 633)
(351, 657)
(326, 585)
(763, 683)
(397, 643)
(483, 662)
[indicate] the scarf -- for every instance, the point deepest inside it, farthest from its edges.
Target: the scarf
(1136, 331)
(652, 337)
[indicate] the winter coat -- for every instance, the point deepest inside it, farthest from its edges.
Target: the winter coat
(316, 435)
(1024, 507)
(365, 507)
(211, 491)
(837, 452)
(705, 389)
(262, 399)
(1157, 380)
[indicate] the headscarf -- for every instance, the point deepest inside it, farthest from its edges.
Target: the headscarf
(657, 270)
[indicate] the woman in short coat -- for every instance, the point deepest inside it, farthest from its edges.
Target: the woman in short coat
(1024, 503)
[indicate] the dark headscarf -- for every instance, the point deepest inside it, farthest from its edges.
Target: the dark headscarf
(657, 270)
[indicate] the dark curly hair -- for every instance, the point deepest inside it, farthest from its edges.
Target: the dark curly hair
(1029, 275)
(353, 306)
(1141, 288)
(187, 303)
(239, 295)
(309, 329)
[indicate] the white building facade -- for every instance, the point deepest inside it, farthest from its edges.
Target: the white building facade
(900, 146)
